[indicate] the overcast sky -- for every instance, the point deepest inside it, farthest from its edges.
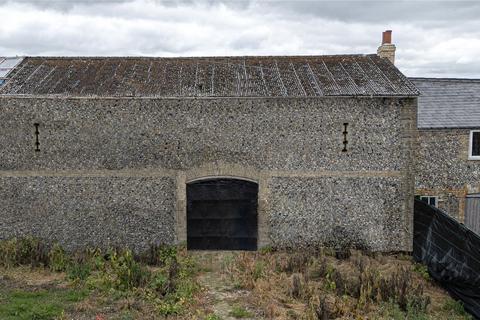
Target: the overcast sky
(433, 38)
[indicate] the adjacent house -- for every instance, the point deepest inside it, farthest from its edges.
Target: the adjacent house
(217, 152)
(448, 169)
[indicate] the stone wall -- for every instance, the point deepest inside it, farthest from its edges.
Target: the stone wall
(114, 170)
(444, 170)
(363, 212)
(92, 211)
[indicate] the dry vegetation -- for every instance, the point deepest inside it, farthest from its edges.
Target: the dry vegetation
(342, 285)
(37, 282)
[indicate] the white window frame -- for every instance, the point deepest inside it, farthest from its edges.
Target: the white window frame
(421, 197)
(470, 147)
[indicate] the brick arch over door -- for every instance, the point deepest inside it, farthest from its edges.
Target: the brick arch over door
(222, 214)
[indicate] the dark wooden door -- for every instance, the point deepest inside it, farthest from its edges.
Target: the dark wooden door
(222, 215)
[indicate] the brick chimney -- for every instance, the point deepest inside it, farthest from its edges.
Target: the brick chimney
(387, 49)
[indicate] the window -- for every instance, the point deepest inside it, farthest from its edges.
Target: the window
(474, 152)
(431, 200)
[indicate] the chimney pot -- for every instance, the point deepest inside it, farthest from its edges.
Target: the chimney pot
(387, 49)
(387, 37)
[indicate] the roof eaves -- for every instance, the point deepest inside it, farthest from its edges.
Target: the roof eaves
(53, 96)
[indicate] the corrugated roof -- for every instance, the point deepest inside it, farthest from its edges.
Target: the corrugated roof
(448, 103)
(344, 75)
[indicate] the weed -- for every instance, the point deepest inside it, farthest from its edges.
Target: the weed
(392, 311)
(117, 274)
(78, 271)
(58, 260)
(126, 315)
(296, 286)
(31, 251)
(158, 255)
(455, 308)
(258, 270)
(212, 316)
(329, 282)
(318, 268)
(417, 303)
(297, 262)
(8, 253)
(266, 250)
(128, 273)
(168, 309)
(422, 270)
(159, 283)
(26, 251)
(240, 312)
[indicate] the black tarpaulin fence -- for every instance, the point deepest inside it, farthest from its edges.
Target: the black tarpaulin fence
(451, 252)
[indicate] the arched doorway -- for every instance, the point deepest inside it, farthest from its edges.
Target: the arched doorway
(222, 214)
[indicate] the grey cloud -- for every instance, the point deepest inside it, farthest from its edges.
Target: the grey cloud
(434, 38)
(380, 11)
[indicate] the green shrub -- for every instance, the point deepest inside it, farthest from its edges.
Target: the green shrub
(128, 273)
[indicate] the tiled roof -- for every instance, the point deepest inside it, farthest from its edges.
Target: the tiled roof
(344, 75)
(448, 103)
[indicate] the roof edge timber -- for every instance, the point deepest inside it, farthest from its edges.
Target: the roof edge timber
(159, 97)
(203, 57)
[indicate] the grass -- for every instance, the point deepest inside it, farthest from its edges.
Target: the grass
(455, 309)
(38, 305)
(240, 312)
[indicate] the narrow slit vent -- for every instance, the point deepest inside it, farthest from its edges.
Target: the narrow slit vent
(37, 133)
(345, 137)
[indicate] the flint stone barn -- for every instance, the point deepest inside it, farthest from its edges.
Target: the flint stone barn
(449, 147)
(221, 153)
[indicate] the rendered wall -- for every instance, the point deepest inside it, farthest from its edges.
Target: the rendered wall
(444, 170)
(113, 171)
